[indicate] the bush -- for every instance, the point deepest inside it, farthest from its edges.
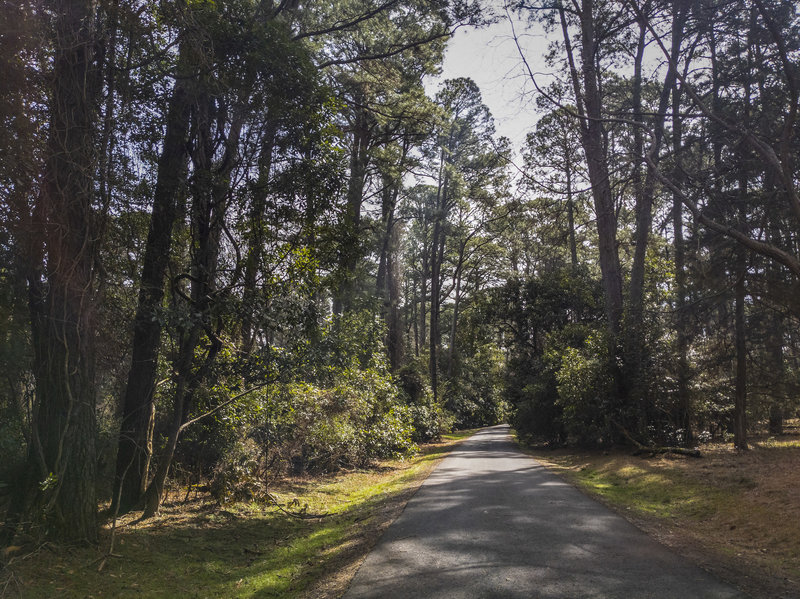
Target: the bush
(357, 421)
(429, 419)
(336, 407)
(545, 317)
(475, 396)
(584, 391)
(538, 416)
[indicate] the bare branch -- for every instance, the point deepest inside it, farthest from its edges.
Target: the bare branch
(759, 247)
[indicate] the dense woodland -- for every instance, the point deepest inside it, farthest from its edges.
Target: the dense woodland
(240, 241)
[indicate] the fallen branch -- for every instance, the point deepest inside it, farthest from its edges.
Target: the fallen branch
(654, 449)
(302, 514)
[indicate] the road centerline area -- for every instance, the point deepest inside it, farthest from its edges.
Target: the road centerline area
(490, 521)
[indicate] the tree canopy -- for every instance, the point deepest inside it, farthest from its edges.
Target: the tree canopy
(239, 240)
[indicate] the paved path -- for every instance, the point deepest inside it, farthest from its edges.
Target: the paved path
(490, 522)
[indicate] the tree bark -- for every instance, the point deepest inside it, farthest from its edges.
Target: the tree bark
(435, 332)
(210, 189)
(645, 188)
(740, 405)
(456, 305)
(573, 246)
(388, 277)
(136, 433)
(256, 239)
(63, 454)
(775, 336)
(395, 322)
(684, 407)
(594, 149)
(350, 251)
(436, 259)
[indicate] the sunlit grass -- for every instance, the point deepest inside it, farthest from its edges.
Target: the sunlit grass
(243, 550)
(663, 494)
(740, 510)
(773, 443)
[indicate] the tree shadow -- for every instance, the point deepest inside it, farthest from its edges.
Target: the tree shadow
(492, 522)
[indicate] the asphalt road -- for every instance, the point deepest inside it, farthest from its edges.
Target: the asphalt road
(490, 522)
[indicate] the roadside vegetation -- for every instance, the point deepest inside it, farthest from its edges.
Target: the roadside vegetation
(247, 246)
(737, 514)
(310, 546)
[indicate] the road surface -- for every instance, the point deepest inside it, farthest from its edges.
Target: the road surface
(490, 522)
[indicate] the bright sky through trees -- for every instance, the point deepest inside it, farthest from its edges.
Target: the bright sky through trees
(490, 57)
(293, 238)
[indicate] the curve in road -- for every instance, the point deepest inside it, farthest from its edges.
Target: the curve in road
(490, 522)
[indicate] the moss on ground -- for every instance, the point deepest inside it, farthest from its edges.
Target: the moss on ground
(737, 513)
(199, 549)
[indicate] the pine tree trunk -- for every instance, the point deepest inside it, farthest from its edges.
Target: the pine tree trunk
(684, 407)
(593, 142)
(256, 238)
(136, 434)
(395, 324)
(352, 221)
(64, 457)
(740, 404)
(435, 333)
(645, 188)
(210, 191)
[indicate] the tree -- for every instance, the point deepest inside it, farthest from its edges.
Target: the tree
(462, 162)
(64, 235)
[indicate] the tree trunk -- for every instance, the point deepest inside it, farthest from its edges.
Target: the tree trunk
(593, 140)
(395, 324)
(64, 457)
(423, 296)
(210, 191)
(636, 350)
(573, 246)
(184, 382)
(740, 406)
(435, 333)
(777, 390)
(776, 325)
(684, 407)
(136, 434)
(436, 259)
(594, 149)
(256, 239)
(456, 304)
(350, 251)
(415, 316)
(388, 278)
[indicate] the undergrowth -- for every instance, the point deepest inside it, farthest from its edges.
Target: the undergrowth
(200, 549)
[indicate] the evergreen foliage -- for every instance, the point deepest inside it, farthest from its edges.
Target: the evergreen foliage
(238, 241)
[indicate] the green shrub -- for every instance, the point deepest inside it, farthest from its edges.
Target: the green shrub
(351, 424)
(430, 420)
(475, 396)
(584, 385)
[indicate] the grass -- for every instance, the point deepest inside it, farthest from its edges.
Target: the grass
(737, 513)
(252, 550)
(662, 494)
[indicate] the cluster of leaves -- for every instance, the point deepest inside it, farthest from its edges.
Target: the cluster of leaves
(556, 371)
(339, 407)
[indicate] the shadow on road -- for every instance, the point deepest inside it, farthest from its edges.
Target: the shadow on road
(491, 522)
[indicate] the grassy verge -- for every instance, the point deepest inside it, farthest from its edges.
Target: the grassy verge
(736, 513)
(199, 549)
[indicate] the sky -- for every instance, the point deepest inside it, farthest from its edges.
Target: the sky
(490, 57)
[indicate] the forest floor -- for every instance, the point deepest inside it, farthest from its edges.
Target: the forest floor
(197, 548)
(736, 514)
